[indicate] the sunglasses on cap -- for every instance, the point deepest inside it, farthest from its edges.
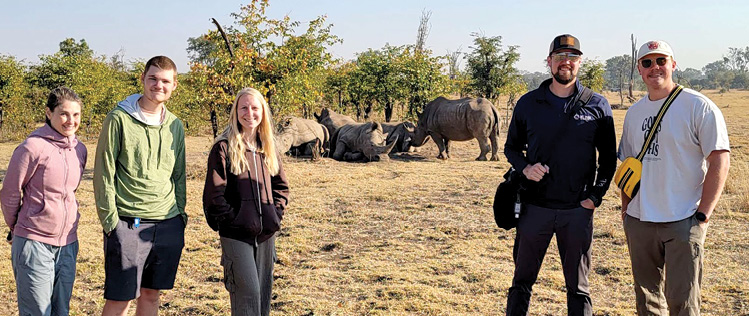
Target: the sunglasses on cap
(647, 63)
(573, 57)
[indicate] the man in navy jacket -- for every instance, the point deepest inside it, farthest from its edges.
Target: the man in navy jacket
(554, 143)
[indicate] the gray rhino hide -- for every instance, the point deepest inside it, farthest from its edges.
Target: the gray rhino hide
(298, 133)
(332, 120)
(401, 133)
(459, 120)
(360, 141)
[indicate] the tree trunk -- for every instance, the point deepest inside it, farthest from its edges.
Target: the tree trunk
(388, 111)
(367, 111)
(632, 68)
(214, 122)
(340, 100)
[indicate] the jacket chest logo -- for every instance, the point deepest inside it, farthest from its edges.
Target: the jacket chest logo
(583, 117)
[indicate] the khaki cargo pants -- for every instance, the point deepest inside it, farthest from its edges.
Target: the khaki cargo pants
(666, 255)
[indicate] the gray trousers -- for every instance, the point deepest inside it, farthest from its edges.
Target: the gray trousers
(574, 230)
(666, 257)
(248, 275)
(44, 276)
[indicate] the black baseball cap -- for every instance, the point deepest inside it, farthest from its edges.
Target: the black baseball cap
(565, 41)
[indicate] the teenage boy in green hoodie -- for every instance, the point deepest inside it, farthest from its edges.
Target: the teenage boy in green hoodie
(139, 185)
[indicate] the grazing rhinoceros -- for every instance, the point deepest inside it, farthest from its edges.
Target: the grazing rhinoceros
(401, 133)
(332, 120)
(460, 120)
(359, 141)
(302, 136)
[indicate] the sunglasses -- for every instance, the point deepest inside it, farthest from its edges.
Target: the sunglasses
(565, 56)
(647, 63)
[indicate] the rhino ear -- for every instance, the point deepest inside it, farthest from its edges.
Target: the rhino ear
(376, 126)
(317, 117)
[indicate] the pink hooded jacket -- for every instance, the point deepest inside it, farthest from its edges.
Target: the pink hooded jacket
(38, 194)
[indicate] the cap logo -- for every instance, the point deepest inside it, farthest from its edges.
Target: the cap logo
(567, 41)
(653, 45)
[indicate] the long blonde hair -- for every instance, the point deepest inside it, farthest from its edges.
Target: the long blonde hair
(237, 146)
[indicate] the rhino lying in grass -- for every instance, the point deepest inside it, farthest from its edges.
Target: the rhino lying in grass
(459, 120)
(332, 120)
(302, 137)
(360, 141)
(401, 133)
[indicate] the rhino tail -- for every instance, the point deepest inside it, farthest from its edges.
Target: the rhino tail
(495, 127)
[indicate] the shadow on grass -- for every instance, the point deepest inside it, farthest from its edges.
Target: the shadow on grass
(407, 157)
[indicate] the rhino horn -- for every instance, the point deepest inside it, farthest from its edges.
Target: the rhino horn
(317, 117)
(387, 148)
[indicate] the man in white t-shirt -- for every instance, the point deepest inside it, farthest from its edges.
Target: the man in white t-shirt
(683, 174)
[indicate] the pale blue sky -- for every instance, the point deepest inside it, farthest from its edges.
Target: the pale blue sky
(700, 32)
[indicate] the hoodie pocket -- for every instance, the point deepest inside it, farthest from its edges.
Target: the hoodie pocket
(248, 217)
(46, 219)
(271, 219)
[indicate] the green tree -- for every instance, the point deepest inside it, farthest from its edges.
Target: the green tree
(289, 68)
(490, 67)
(533, 80)
(337, 89)
(719, 75)
(17, 117)
(99, 85)
(422, 79)
(591, 75)
(69, 48)
(378, 77)
(691, 78)
(616, 74)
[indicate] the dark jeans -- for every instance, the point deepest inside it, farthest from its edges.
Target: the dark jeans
(574, 230)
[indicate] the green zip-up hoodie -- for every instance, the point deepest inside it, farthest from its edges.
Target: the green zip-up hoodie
(140, 168)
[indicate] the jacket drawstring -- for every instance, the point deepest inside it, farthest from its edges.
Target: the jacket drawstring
(257, 185)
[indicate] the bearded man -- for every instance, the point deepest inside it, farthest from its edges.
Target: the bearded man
(553, 137)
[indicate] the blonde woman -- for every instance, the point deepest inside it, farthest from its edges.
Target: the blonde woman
(244, 199)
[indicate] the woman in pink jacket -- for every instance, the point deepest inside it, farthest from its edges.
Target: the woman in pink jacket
(39, 206)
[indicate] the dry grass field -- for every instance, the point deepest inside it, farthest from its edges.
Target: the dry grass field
(412, 236)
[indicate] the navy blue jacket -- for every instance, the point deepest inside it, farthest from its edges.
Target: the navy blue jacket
(567, 143)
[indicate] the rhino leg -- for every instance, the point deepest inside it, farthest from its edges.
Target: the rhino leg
(340, 150)
(484, 146)
(447, 147)
(495, 147)
(437, 138)
(353, 156)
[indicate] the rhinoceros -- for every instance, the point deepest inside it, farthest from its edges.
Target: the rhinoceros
(459, 120)
(303, 136)
(401, 133)
(332, 120)
(360, 141)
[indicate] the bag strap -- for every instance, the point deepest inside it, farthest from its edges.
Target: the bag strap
(581, 99)
(661, 113)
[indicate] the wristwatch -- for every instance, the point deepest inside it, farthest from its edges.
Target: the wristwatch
(596, 201)
(701, 217)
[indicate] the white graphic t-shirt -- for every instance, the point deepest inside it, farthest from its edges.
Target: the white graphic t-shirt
(674, 167)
